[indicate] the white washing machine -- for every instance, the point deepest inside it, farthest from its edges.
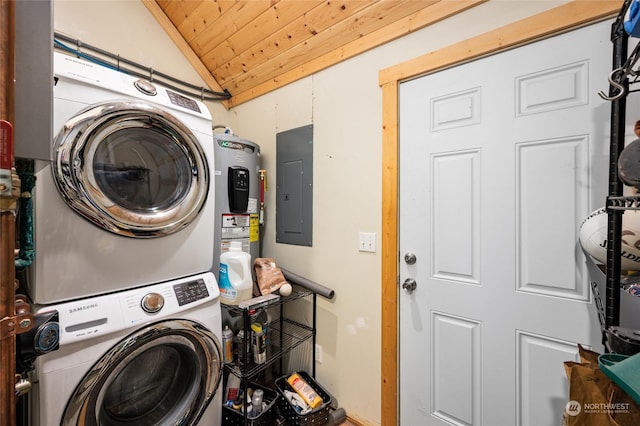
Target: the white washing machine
(149, 356)
(127, 198)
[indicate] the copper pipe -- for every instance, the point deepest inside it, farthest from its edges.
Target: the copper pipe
(7, 226)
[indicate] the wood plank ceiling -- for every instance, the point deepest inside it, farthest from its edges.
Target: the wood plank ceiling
(250, 47)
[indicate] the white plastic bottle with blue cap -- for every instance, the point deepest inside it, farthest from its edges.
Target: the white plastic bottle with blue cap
(235, 279)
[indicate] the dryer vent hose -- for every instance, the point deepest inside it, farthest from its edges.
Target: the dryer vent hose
(26, 254)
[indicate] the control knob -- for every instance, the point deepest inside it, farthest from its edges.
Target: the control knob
(145, 87)
(152, 302)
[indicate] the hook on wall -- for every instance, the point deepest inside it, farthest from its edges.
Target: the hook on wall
(618, 76)
(614, 78)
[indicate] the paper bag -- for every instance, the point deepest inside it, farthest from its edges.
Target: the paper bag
(269, 276)
(595, 400)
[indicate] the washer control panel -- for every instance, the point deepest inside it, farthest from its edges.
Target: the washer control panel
(91, 317)
(190, 291)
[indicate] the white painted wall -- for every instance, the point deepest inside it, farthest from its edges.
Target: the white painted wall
(344, 104)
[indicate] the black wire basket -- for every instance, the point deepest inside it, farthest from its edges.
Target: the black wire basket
(317, 416)
(267, 417)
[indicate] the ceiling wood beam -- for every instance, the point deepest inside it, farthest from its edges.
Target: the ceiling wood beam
(180, 42)
(279, 20)
(197, 20)
(337, 34)
(288, 41)
(230, 22)
(409, 24)
(179, 11)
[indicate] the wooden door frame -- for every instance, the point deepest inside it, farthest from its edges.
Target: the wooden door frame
(563, 18)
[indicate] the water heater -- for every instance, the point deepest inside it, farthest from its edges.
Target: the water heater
(237, 184)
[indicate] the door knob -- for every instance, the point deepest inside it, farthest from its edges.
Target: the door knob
(410, 258)
(409, 285)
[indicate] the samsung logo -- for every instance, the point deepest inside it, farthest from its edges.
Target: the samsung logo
(77, 61)
(83, 308)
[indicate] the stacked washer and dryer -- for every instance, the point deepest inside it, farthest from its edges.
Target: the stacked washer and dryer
(124, 231)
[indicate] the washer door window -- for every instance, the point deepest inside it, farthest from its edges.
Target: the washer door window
(131, 168)
(164, 374)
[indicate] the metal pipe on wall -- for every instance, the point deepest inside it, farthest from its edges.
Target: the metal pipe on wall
(308, 284)
(7, 222)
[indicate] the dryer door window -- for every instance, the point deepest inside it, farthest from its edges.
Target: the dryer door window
(164, 374)
(131, 168)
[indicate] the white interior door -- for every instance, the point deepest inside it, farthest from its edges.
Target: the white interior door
(500, 161)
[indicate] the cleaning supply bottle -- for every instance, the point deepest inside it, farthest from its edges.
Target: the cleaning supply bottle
(227, 344)
(235, 279)
(305, 390)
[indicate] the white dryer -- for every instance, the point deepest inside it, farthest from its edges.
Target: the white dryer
(127, 199)
(148, 356)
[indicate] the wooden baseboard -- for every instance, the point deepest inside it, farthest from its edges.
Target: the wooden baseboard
(354, 422)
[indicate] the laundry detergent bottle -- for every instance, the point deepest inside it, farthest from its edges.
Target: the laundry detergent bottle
(235, 279)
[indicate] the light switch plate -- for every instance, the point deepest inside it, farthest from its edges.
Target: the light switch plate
(367, 241)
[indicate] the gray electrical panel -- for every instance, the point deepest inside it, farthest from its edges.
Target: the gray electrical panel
(294, 186)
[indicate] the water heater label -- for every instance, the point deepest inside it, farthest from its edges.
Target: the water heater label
(252, 205)
(235, 226)
(254, 234)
